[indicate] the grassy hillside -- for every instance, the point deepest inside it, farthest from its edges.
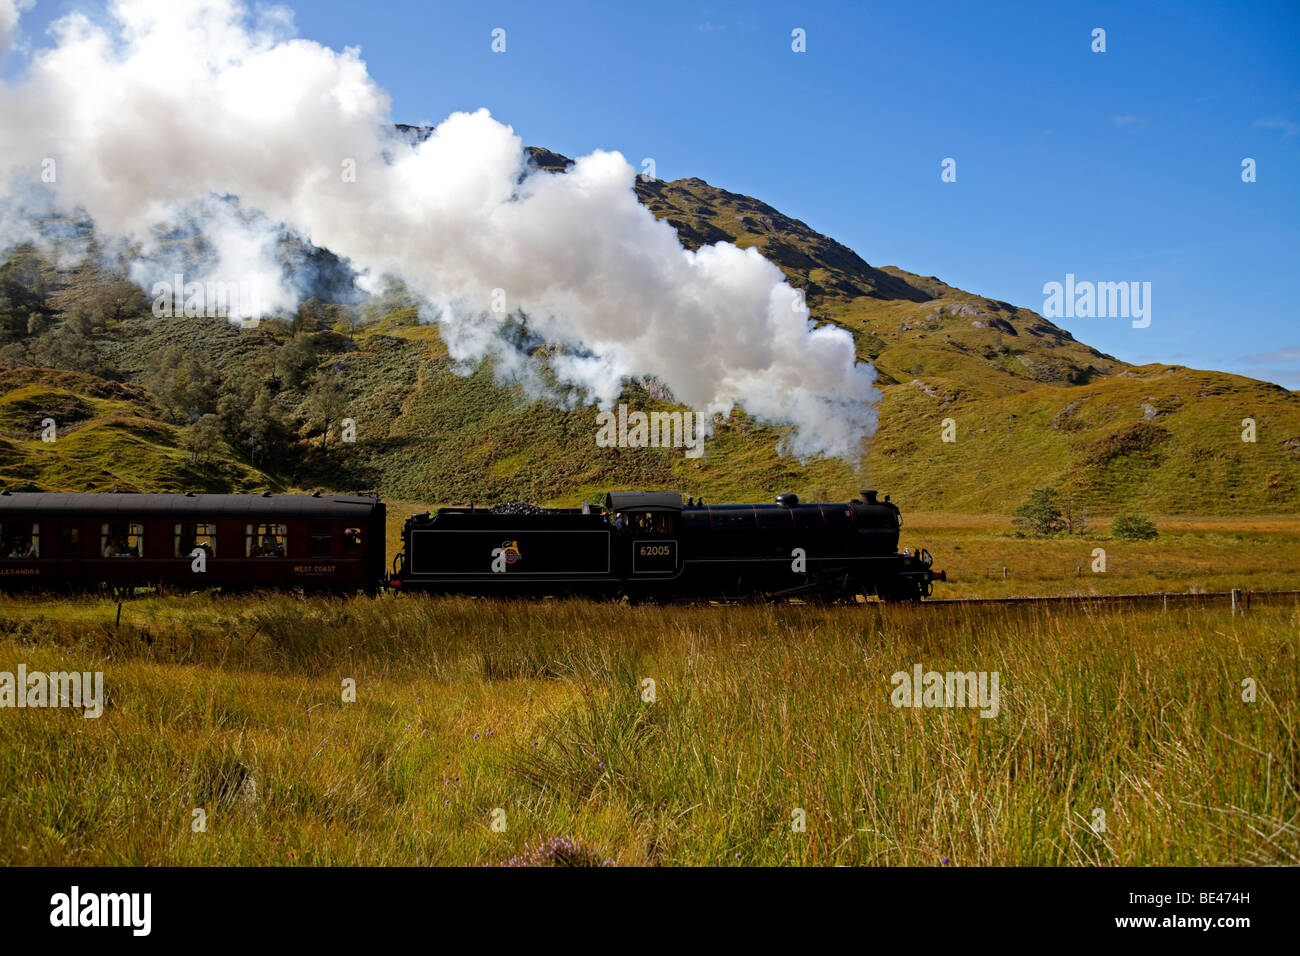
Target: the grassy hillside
(1029, 405)
(107, 435)
(1161, 438)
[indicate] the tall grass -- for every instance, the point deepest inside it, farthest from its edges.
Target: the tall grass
(465, 707)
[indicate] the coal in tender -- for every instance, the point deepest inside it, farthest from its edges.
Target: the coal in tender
(515, 508)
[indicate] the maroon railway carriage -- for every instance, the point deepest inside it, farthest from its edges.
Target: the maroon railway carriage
(190, 541)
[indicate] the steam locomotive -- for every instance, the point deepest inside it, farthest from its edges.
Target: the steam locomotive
(641, 545)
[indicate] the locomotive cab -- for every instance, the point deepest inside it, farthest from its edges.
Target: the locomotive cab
(646, 526)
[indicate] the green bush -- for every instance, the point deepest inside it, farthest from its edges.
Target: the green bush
(1040, 515)
(1134, 527)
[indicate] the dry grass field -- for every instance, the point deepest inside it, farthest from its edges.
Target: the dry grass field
(1190, 554)
(1122, 736)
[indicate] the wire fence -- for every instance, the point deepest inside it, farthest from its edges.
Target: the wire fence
(1049, 572)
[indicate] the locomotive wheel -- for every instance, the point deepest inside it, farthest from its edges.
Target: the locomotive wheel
(902, 594)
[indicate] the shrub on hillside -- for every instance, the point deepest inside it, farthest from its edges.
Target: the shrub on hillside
(1133, 527)
(1040, 515)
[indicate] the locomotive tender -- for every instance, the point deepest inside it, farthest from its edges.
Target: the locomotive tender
(642, 545)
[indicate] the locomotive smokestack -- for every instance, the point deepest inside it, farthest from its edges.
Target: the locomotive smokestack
(869, 497)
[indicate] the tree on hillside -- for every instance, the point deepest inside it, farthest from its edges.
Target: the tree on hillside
(252, 421)
(266, 436)
(24, 288)
(326, 404)
(13, 355)
(202, 438)
(92, 298)
(1076, 516)
(312, 316)
(347, 319)
(293, 360)
(185, 387)
(1040, 515)
(66, 347)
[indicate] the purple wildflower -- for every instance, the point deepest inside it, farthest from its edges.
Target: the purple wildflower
(558, 851)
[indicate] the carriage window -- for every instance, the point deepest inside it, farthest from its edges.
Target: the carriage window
(191, 535)
(320, 543)
(70, 540)
(20, 539)
(121, 539)
(265, 541)
(352, 541)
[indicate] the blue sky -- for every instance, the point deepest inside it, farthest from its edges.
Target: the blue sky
(1115, 166)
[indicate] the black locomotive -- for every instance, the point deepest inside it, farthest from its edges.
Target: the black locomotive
(642, 545)
(654, 545)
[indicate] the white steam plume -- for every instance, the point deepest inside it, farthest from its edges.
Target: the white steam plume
(173, 105)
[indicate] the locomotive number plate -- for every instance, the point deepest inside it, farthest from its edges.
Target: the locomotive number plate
(654, 557)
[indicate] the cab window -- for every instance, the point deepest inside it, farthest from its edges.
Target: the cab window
(265, 540)
(20, 539)
(121, 539)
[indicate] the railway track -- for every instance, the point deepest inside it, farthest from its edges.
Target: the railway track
(1238, 599)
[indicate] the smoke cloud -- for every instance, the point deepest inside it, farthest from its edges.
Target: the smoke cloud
(9, 10)
(170, 113)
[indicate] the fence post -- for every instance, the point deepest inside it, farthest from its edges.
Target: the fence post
(1236, 600)
(1004, 573)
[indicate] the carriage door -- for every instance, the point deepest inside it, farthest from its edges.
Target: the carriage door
(654, 548)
